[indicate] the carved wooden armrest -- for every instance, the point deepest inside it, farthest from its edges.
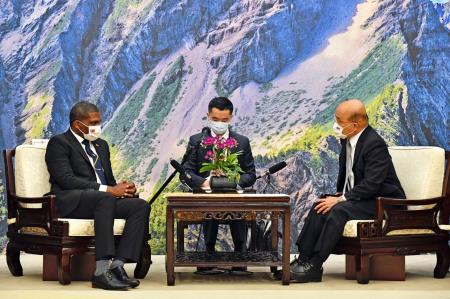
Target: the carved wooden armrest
(33, 217)
(397, 217)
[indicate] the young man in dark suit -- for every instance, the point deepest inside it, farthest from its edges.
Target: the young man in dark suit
(220, 113)
(81, 177)
(365, 172)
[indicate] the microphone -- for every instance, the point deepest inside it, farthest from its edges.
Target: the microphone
(275, 168)
(205, 132)
(178, 167)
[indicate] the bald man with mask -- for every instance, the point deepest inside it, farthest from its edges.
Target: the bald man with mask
(365, 173)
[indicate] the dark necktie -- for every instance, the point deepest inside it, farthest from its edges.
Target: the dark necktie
(97, 163)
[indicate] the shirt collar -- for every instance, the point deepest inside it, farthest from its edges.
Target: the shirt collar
(354, 139)
(78, 137)
(226, 135)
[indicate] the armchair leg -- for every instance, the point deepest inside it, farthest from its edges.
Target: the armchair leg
(362, 268)
(442, 264)
(64, 266)
(13, 260)
(144, 262)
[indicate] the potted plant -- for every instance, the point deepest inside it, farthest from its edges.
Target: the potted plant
(224, 165)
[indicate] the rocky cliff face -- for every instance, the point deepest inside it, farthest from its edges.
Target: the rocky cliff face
(426, 72)
(152, 66)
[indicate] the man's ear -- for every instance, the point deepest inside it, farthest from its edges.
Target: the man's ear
(76, 126)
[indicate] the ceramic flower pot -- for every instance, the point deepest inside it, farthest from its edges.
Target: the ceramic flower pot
(218, 183)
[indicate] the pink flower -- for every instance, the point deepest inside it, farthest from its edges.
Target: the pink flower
(230, 143)
(208, 141)
(209, 153)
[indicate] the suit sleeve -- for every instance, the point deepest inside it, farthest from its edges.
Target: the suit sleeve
(192, 178)
(376, 167)
(57, 158)
(248, 178)
(111, 175)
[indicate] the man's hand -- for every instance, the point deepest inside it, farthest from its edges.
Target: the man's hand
(131, 189)
(117, 190)
(123, 189)
(206, 184)
(324, 205)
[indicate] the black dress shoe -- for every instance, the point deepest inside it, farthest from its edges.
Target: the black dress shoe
(308, 273)
(122, 276)
(295, 266)
(240, 271)
(209, 271)
(108, 281)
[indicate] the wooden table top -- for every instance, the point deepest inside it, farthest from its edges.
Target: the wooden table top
(229, 197)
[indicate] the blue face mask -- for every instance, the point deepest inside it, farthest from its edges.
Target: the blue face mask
(218, 127)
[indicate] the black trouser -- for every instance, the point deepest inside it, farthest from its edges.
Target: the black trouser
(238, 230)
(104, 208)
(321, 233)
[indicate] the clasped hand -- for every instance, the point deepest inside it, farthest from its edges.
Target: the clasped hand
(123, 189)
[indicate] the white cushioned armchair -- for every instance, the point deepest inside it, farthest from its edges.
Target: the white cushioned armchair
(33, 224)
(419, 224)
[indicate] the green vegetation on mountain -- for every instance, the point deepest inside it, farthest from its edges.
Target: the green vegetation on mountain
(132, 148)
(380, 67)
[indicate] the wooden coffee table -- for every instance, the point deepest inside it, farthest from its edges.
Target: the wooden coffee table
(229, 207)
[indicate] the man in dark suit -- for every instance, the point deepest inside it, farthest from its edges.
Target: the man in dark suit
(220, 113)
(365, 172)
(81, 177)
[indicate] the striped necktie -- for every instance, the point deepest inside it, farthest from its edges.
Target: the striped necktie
(97, 163)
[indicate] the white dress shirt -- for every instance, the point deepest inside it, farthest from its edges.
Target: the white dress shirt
(225, 135)
(80, 140)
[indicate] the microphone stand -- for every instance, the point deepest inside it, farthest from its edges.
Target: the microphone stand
(161, 189)
(169, 179)
(269, 184)
(205, 131)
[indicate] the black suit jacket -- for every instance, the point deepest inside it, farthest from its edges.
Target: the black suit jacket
(71, 171)
(195, 156)
(374, 173)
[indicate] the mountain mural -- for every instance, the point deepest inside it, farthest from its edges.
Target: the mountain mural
(153, 65)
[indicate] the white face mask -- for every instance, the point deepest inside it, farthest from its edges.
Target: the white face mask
(339, 131)
(93, 134)
(218, 127)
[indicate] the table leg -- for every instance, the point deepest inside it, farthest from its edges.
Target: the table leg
(170, 269)
(180, 236)
(286, 246)
(274, 229)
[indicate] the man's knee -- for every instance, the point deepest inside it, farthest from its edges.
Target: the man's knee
(339, 214)
(340, 208)
(105, 199)
(139, 206)
(145, 207)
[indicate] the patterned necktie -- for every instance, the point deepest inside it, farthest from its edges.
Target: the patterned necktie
(97, 163)
(348, 168)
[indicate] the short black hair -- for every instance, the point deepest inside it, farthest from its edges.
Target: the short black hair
(221, 103)
(81, 111)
